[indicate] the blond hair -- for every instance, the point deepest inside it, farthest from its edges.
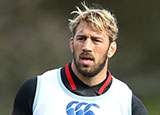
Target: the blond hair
(99, 19)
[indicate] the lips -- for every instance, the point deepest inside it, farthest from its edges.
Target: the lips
(86, 59)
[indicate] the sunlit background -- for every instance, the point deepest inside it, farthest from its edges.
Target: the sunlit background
(34, 38)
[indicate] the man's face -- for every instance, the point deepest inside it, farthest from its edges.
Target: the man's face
(90, 49)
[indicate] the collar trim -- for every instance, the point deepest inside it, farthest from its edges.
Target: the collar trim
(69, 77)
(73, 86)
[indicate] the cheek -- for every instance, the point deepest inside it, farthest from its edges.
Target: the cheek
(100, 53)
(77, 47)
(76, 50)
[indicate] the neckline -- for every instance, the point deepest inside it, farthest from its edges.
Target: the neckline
(102, 87)
(76, 96)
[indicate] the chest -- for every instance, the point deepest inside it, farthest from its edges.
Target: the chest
(52, 99)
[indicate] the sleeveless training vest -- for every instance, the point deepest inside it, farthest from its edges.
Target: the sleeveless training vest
(53, 98)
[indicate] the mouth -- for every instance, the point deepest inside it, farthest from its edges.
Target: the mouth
(87, 60)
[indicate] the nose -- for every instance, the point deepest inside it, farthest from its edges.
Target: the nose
(87, 45)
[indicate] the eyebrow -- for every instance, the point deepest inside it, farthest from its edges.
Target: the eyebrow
(94, 37)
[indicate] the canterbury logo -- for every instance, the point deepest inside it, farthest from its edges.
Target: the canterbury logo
(77, 108)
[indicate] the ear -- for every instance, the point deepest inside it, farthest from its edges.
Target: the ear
(112, 49)
(71, 44)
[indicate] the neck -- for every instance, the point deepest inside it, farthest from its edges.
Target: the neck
(91, 81)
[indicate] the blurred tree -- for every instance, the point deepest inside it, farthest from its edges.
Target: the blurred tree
(34, 38)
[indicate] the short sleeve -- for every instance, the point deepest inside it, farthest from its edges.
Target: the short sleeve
(138, 107)
(24, 98)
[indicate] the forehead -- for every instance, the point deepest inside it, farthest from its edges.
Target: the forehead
(85, 28)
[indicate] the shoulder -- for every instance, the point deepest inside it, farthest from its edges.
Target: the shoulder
(24, 98)
(28, 87)
(49, 74)
(138, 107)
(121, 86)
(47, 78)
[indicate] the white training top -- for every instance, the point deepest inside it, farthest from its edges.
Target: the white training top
(53, 98)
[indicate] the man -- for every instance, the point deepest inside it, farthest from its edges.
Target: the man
(84, 86)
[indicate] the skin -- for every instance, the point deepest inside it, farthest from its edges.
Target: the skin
(91, 51)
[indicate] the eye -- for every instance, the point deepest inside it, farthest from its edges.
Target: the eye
(96, 40)
(81, 38)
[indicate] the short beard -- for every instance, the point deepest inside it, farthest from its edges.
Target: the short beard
(98, 68)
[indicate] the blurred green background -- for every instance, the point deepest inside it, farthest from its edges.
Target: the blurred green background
(34, 38)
